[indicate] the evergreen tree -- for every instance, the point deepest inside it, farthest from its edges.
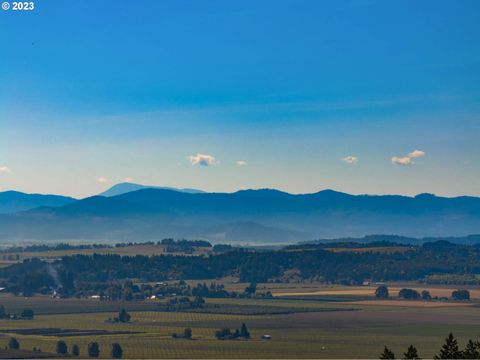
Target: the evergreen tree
(450, 349)
(117, 351)
(62, 347)
(472, 350)
(244, 332)
(93, 349)
(411, 353)
(13, 344)
(75, 350)
(387, 354)
(123, 316)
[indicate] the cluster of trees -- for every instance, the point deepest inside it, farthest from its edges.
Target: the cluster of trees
(449, 350)
(228, 334)
(184, 246)
(187, 334)
(219, 291)
(123, 317)
(411, 294)
(50, 247)
(26, 314)
(251, 266)
(182, 303)
(93, 349)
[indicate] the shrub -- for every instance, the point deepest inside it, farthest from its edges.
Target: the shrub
(381, 292)
(409, 294)
(13, 344)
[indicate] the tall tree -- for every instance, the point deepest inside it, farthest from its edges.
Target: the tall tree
(244, 331)
(117, 351)
(93, 349)
(387, 354)
(75, 350)
(61, 347)
(3, 312)
(411, 353)
(251, 289)
(123, 316)
(450, 349)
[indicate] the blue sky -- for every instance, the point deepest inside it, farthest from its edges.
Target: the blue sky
(306, 95)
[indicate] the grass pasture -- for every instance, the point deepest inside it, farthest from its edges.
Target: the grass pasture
(299, 329)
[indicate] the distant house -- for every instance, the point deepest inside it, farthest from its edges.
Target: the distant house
(366, 283)
(266, 337)
(96, 297)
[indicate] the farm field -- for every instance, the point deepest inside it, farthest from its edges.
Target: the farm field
(363, 291)
(300, 329)
(140, 249)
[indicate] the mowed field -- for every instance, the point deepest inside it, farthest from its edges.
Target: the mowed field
(299, 328)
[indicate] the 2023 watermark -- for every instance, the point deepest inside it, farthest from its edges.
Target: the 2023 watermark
(18, 5)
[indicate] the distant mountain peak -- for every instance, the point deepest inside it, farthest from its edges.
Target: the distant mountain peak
(126, 187)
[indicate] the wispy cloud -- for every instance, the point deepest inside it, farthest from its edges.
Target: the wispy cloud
(202, 160)
(241, 163)
(102, 179)
(350, 159)
(408, 160)
(6, 170)
(405, 160)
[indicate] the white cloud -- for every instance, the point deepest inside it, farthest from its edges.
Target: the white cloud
(102, 180)
(350, 159)
(241, 163)
(416, 154)
(405, 160)
(408, 160)
(6, 170)
(202, 160)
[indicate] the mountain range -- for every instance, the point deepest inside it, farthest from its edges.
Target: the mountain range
(247, 216)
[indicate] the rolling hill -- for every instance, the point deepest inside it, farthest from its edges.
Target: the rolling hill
(15, 201)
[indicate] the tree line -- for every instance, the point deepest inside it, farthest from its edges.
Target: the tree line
(93, 349)
(347, 268)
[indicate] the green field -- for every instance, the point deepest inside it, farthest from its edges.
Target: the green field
(299, 328)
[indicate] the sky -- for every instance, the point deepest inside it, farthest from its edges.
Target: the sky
(377, 97)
